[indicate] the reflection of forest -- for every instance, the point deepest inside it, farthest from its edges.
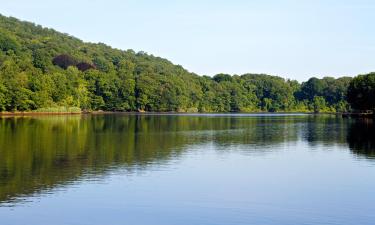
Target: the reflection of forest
(361, 138)
(325, 130)
(44, 152)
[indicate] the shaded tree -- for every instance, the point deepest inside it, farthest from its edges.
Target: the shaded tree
(83, 66)
(64, 61)
(361, 92)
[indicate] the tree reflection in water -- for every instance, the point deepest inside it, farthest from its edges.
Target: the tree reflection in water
(40, 153)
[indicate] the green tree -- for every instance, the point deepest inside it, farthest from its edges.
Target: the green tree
(8, 42)
(361, 92)
(319, 104)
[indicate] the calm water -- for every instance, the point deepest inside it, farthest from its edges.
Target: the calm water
(187, 169)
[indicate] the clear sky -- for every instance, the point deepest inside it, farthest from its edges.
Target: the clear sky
(293, 39)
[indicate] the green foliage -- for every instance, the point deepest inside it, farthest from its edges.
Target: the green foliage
(319, 104)
(222, 77)
(332, 91)
(41, 69)
(361, 92)
(3, 100)
(8, 42)
(60, 109)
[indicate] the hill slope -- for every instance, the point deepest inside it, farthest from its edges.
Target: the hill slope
(44, 70)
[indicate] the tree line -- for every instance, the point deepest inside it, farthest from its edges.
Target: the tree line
(44, 70)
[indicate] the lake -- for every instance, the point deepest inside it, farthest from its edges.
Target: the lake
(188, 169)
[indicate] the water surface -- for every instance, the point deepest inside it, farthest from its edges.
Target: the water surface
(187, 169)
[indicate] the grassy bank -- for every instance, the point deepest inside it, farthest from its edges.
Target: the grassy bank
(45, 111)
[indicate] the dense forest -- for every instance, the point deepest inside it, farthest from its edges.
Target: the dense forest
(43, 70)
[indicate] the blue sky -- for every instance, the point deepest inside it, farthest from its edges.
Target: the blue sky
(292, 39)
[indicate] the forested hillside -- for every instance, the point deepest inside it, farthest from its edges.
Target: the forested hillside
(44, 70)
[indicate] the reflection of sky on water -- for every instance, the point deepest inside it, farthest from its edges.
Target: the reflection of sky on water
(186, 170)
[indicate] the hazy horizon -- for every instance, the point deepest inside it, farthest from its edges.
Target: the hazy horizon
(294, 40)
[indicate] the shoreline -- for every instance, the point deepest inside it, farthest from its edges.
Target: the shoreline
(21, 114)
